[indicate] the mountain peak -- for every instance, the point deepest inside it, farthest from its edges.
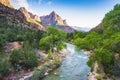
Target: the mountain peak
(53, 12)
(29, 14)
(53, 19)
(23, 9)
(6, 3)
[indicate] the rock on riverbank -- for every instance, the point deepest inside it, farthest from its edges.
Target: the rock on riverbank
(49, 65)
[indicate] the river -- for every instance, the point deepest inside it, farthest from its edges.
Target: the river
(74, 67)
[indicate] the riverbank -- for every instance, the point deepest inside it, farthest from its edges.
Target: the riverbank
(96, 72)
(75, 62)
(46, 64)
(92, 75)
(88, 53)
(50, 64)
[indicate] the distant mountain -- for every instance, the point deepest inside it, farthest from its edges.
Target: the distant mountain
(84, 29)
(53, 19)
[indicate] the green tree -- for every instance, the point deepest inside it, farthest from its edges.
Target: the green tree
(54, 38)
(93, 40)
(46, 43)
(81, 43)
(103, 56)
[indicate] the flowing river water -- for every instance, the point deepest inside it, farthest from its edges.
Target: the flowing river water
(74, 67)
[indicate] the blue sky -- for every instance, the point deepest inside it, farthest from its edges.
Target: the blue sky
(83, 13)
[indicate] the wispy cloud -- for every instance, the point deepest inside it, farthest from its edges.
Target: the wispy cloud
(46, 2)
(20, 3)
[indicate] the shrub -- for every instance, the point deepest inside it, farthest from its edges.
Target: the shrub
(98, 77)
(26, 57)
(4, 67)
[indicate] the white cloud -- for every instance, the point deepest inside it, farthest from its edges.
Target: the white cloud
(20, 3)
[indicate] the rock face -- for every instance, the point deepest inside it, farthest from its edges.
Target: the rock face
(31, 17)
(29, 14)
(25, 12)
(12, 45)
(28, 20)
(52, 19)
(6, 3)
(12, 16)
(15, 13)
(37, 18)
(65, 22)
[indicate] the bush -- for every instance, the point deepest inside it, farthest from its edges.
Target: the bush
(116, 68)
(26, 57)
(30, 59)
(99, 77)
(16, 57)
(4, 67)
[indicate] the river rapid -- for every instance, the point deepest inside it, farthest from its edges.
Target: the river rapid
(74, 67)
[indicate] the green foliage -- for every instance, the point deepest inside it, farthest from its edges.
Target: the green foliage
(53, 39)
(80, 43)
(111, 20)
(4, 67)
(30, 58)
(104, 41)
(74, 35)
(91, 41)
(39, 72)
(103, 56)
(11, 33)
(49, 55)
(45, 43)
(33, 37)
(60, 45)
(91, 61)
(98, 77)
(117, 7)
(16, 56)
(116, 68)
(79, 35)
(25, 56)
